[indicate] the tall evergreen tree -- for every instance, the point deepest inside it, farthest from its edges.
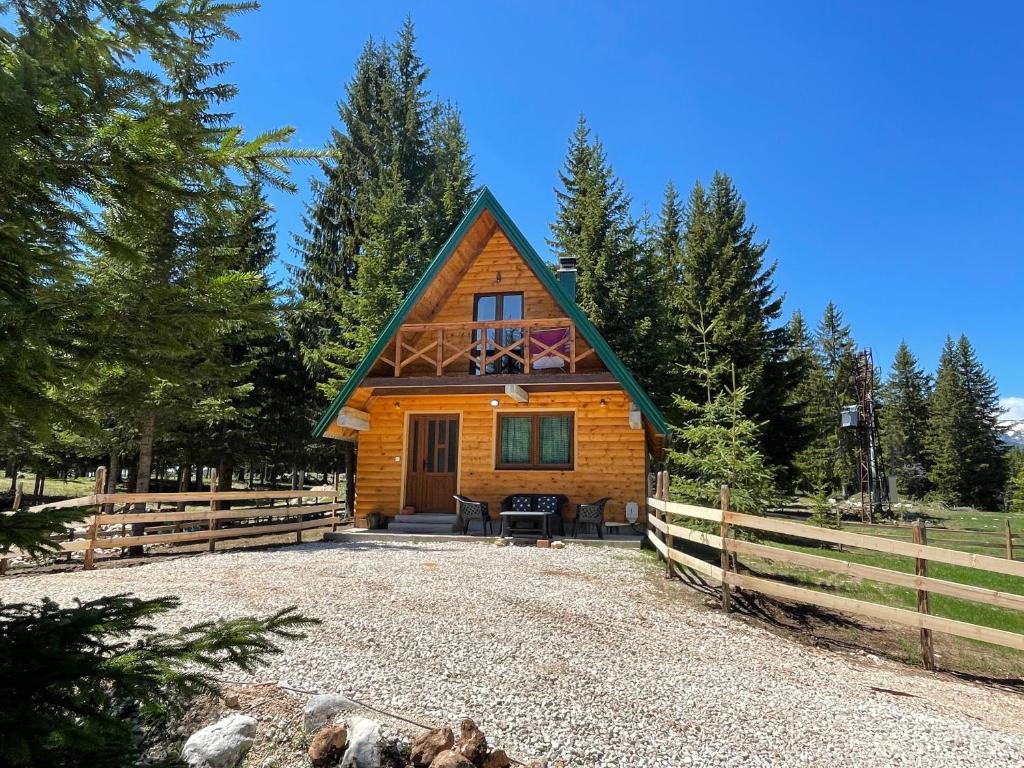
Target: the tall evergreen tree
(904, 418)
(815, 461)
(398, 179)
(619, 281)
(666, 242)
(838, 356)
(727, 287)
(947, 417)
(984, 472)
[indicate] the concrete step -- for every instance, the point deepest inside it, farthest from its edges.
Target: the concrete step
(427, 528)
(428, 518)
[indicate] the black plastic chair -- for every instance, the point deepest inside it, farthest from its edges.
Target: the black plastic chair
(590, 514)
(469, 510)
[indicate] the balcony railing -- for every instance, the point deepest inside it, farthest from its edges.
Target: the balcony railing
(492, 347)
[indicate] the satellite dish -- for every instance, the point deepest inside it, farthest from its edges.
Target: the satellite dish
(632, 512)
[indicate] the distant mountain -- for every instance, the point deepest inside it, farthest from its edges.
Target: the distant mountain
(1013, 432)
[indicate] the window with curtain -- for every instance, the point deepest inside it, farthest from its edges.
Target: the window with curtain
(535, 441)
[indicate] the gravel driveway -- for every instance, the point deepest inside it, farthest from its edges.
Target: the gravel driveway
(582, 653)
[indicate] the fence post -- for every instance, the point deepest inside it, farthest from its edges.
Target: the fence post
(18, 494)
(211, 524)
(89, 559)
(921, 569)
(723, 532)
(1009, 541)
(668, 536)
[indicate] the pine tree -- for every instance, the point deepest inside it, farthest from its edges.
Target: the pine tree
(398, 179)
(815, 461)
(92, 684)
(904, 418)
(838, 357)
(666, 242)
(984, 471)
(947, 416)
(719, 444)
(725, 286)
(1015, 503)
(620, 284)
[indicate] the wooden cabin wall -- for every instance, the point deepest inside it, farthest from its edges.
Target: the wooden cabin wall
(609, 456)
(498, 256)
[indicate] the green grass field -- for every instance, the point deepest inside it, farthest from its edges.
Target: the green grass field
(53, 486)
(966, 530)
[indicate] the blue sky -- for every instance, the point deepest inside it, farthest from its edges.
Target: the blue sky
(878, 145)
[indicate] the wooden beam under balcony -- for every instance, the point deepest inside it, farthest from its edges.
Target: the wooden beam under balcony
(353, 418)
(517, 393)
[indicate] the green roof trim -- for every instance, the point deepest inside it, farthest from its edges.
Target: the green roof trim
(485, 200)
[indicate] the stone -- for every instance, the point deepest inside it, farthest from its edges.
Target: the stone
(558, 545)
(472, 743)
(328, 746)
(497, 759)
(543, 543)
(363, 744)
(451, 759)
(221, 745)
(429, 745)
(320, 710)
(231, 701)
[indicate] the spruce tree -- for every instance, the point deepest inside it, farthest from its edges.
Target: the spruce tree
(838, 356)
(719, 444)
(947, 417)
(92, 684)
(904, 419)
(619, 281)
(727, 287)
(666, 241)
(984, 472)
(398, 178)
(815, 461)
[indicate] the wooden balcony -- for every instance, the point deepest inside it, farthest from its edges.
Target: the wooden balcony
(547, 345)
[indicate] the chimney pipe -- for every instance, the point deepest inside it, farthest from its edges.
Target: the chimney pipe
(567, 276)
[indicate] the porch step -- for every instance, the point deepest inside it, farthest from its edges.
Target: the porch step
(432, 523)
(429, 518)
(420, 528)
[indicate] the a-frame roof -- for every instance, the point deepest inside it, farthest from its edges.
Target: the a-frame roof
(485, 201)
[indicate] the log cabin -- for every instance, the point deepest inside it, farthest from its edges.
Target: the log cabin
(489, 381)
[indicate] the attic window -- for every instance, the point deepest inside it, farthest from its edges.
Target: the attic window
(535, 441)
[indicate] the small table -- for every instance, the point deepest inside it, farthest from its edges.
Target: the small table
(509, 515)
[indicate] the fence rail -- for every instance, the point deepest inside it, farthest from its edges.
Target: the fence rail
(106, 529)
(664, 530)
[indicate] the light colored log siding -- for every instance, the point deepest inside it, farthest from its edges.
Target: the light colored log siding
(498, 256)
(609, 456)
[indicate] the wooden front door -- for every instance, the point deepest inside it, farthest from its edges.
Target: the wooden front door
(432, 462)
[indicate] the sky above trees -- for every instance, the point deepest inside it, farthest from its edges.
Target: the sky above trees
(877, 147)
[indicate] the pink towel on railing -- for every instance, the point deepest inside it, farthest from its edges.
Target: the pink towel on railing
(543, 340)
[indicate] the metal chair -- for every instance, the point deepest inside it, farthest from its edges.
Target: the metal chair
(591, 514)
(469, 510)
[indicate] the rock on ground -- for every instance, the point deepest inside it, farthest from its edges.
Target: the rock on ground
(321, 710)
(429, 744)
(221, 745)
(584, 654)
(363, 744)
(328, 746)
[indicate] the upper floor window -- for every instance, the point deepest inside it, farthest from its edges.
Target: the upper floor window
(490, 307)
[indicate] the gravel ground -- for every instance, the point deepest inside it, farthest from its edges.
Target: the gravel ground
(583, 654)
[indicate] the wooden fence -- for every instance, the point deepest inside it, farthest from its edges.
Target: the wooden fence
(124, 520)
(663, 532)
